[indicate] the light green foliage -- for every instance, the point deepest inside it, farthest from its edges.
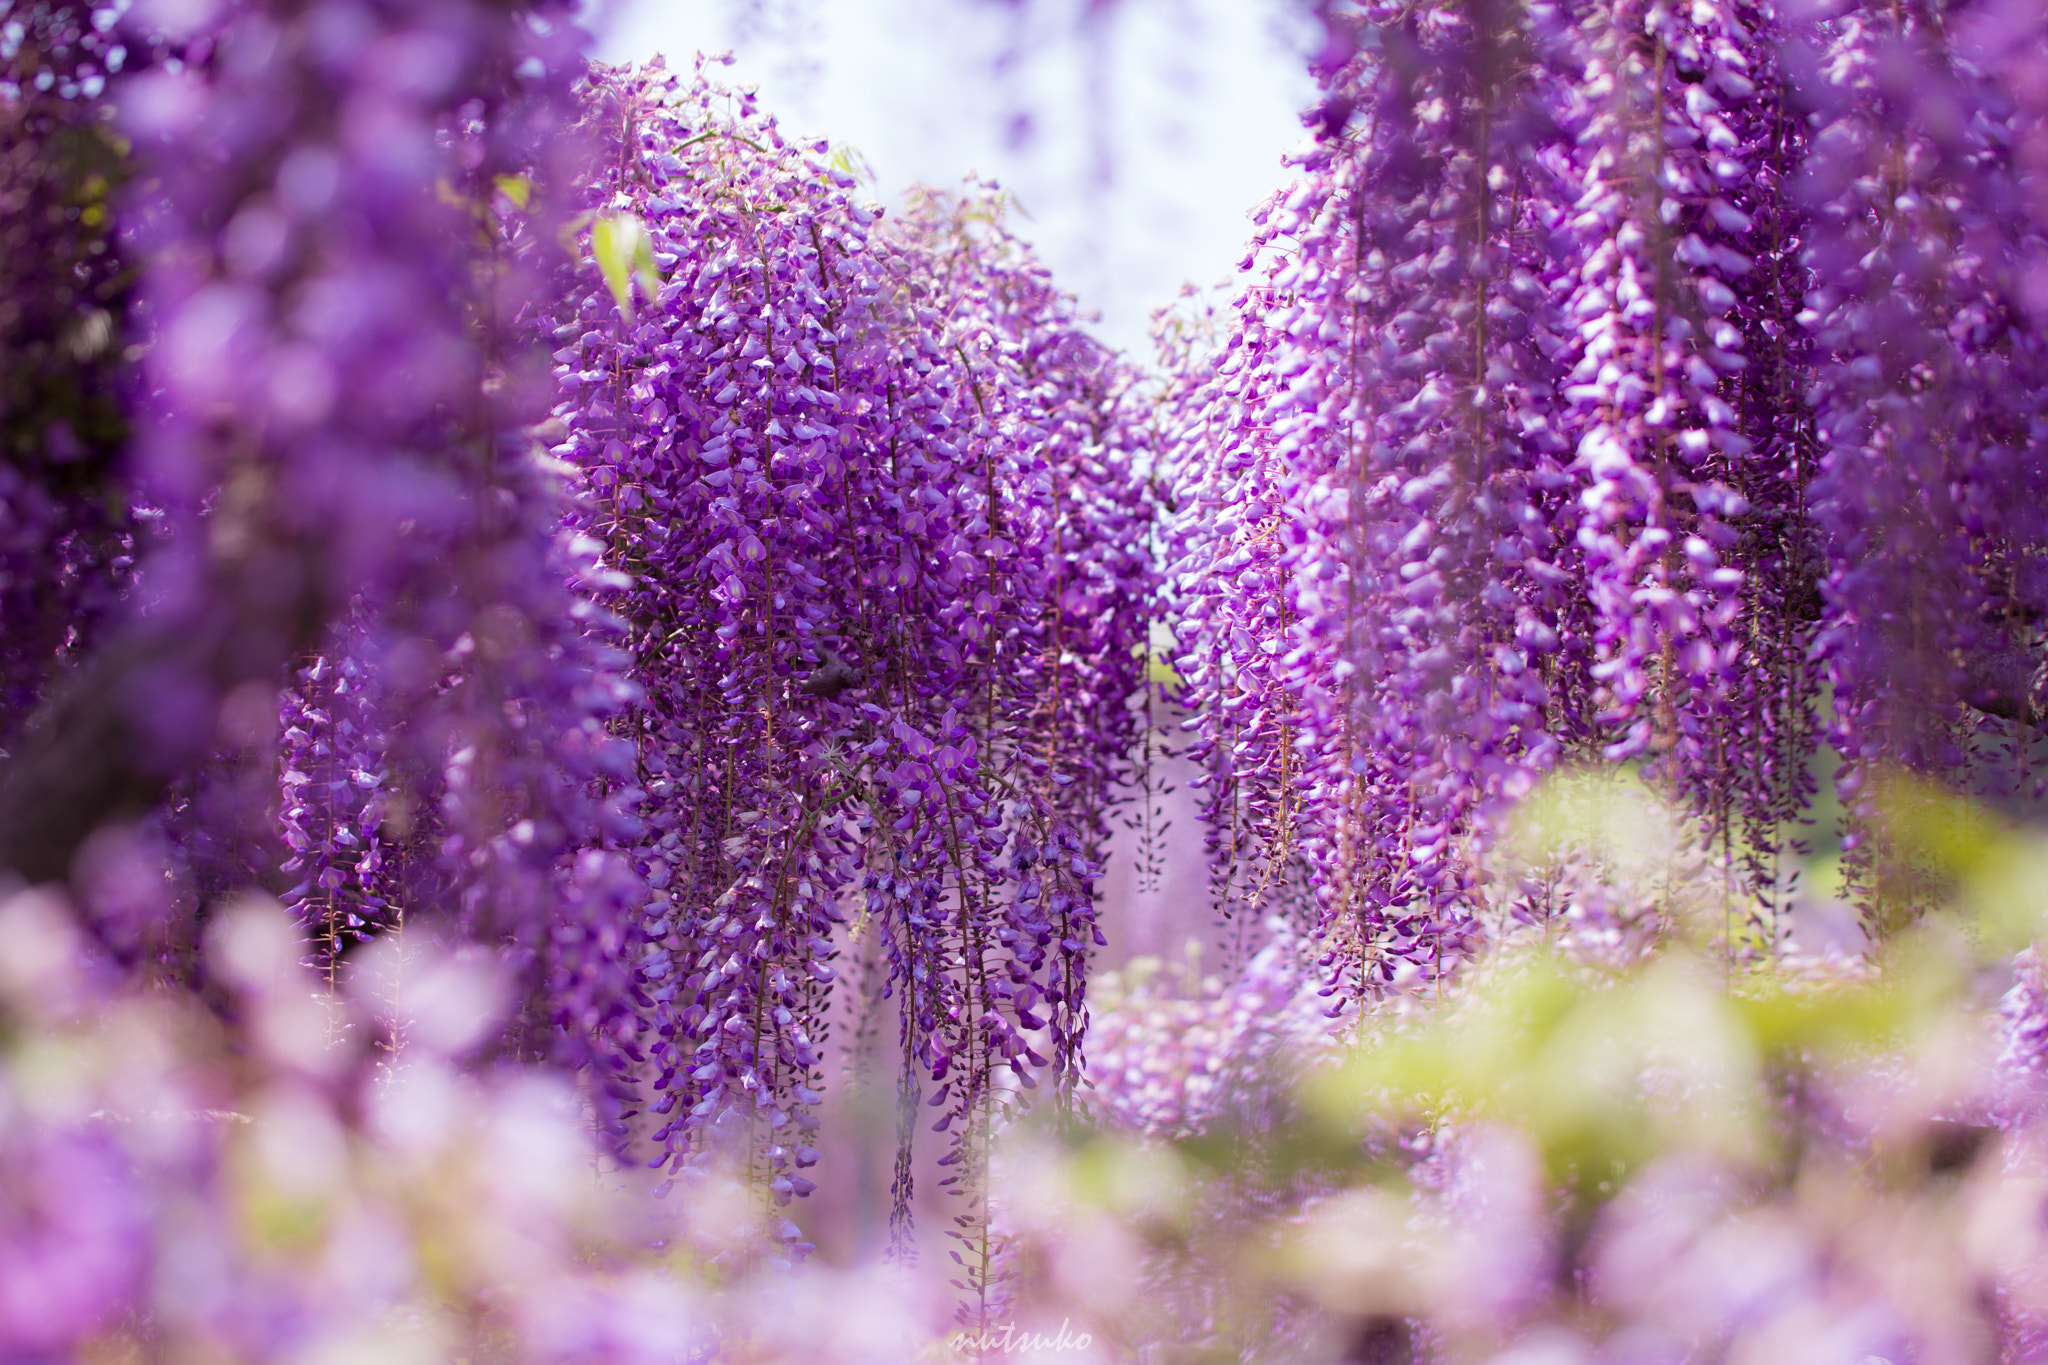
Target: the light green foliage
(625, 255)
(1990, 880)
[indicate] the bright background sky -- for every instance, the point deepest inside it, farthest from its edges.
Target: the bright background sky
(1151, 134)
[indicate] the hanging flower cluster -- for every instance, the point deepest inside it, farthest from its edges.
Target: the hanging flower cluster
(817, 629)
(1930, 400)
(1618, 383)
(1174, 1063)
(63, 331)
(1625, 381)
(335, 376)
(872, 488)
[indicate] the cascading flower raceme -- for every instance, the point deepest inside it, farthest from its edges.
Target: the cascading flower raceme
(873, 490)
(64, 373)
(335, 373)
(1928, 399)
(497, 723)
(1393, 405)
(1694, 524)
(347, 219)
(1557, 426)
(1649, 386)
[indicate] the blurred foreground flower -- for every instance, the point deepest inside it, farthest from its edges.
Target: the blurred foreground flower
(1618, 1136)
(305, 1173)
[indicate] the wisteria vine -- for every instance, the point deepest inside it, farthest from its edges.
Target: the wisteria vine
(551, 532)
(1576, 415)
(872, 486)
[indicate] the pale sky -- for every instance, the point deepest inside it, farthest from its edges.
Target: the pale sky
(1151, 133)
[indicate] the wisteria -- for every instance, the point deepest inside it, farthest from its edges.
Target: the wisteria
(63, 542)
(1174, 1058)
(1558, 426)
(572, 685)
(520, 684)
(873, 487)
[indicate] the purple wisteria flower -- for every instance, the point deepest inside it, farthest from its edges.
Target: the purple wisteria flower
(1627, 383)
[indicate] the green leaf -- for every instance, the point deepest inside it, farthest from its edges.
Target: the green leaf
(625, 254)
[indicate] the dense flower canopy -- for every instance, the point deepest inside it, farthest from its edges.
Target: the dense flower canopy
(562, 670)
(803, 629)
(1632, 383)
